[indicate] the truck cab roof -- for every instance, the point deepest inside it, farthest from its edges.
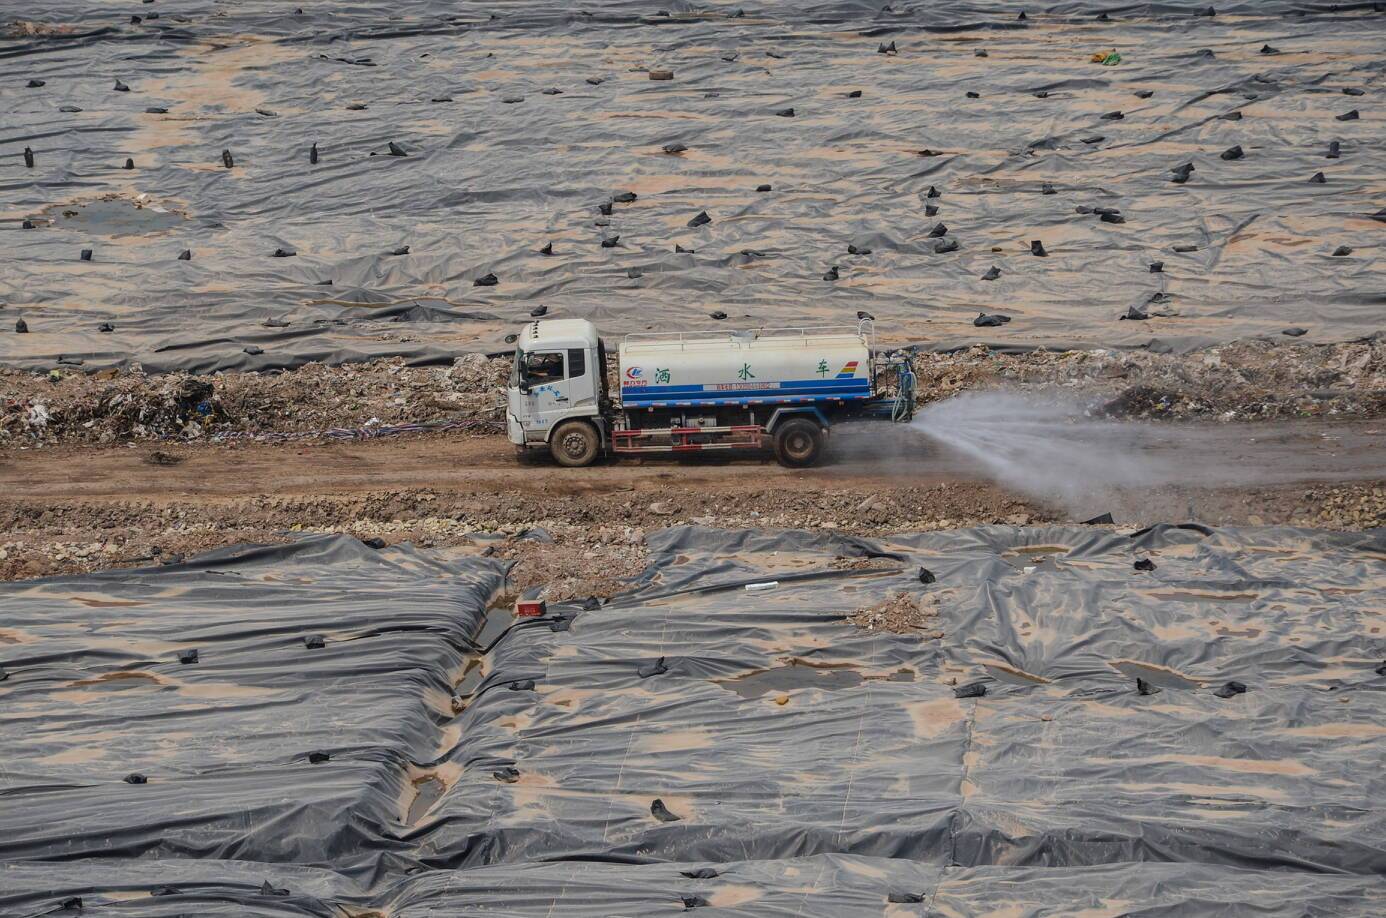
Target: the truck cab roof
(558, 334)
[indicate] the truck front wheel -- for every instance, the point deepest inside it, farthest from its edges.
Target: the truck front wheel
(798, 443)
(575, 444)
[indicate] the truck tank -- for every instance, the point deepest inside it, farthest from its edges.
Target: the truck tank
(763, 367)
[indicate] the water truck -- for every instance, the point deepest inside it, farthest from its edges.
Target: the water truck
(781, 389)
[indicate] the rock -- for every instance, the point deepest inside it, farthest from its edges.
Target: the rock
(662, 508)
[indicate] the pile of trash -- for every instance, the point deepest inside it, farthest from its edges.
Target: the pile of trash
(111, 406)
(1255, 379)
(901, 613)
(575, 568)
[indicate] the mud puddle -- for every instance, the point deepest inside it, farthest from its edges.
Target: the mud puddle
(1013, 675)
(798, 674)
(1195, 596)
(114, 217)
(1155, 674)
(428, 790)
(499, 616)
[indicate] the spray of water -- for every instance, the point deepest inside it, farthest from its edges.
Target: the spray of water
(1047, 448)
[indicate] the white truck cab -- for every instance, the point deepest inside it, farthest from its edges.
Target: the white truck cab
(558, 376)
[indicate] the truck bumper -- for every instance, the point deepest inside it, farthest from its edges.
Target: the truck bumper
(513, 431)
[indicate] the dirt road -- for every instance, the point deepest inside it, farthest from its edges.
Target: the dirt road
(1280, 453)
(86, 508)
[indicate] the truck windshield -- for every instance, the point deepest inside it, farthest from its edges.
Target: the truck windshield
(537, 367)
(542, 366)
(515, 369)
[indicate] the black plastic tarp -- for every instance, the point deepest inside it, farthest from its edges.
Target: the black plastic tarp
(694, 743)
(223, 747)
(499, 165)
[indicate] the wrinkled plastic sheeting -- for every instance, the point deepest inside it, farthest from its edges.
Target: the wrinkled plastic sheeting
(95, 693)
(695, 744)
(1061, 764)
(488, 182)
(861, 887)
(171, 887)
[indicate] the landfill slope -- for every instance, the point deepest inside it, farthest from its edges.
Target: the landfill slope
(719, 736)
(464, 155)
(259, 704)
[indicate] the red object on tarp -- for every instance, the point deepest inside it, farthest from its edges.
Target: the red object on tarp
(530, 608)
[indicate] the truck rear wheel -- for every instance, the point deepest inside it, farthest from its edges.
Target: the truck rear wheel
(575, 444)
(798, 443)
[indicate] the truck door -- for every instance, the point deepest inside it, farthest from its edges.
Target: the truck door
(545, 388)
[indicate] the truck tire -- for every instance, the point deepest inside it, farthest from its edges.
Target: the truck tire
(575, 444)
(798, 443)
